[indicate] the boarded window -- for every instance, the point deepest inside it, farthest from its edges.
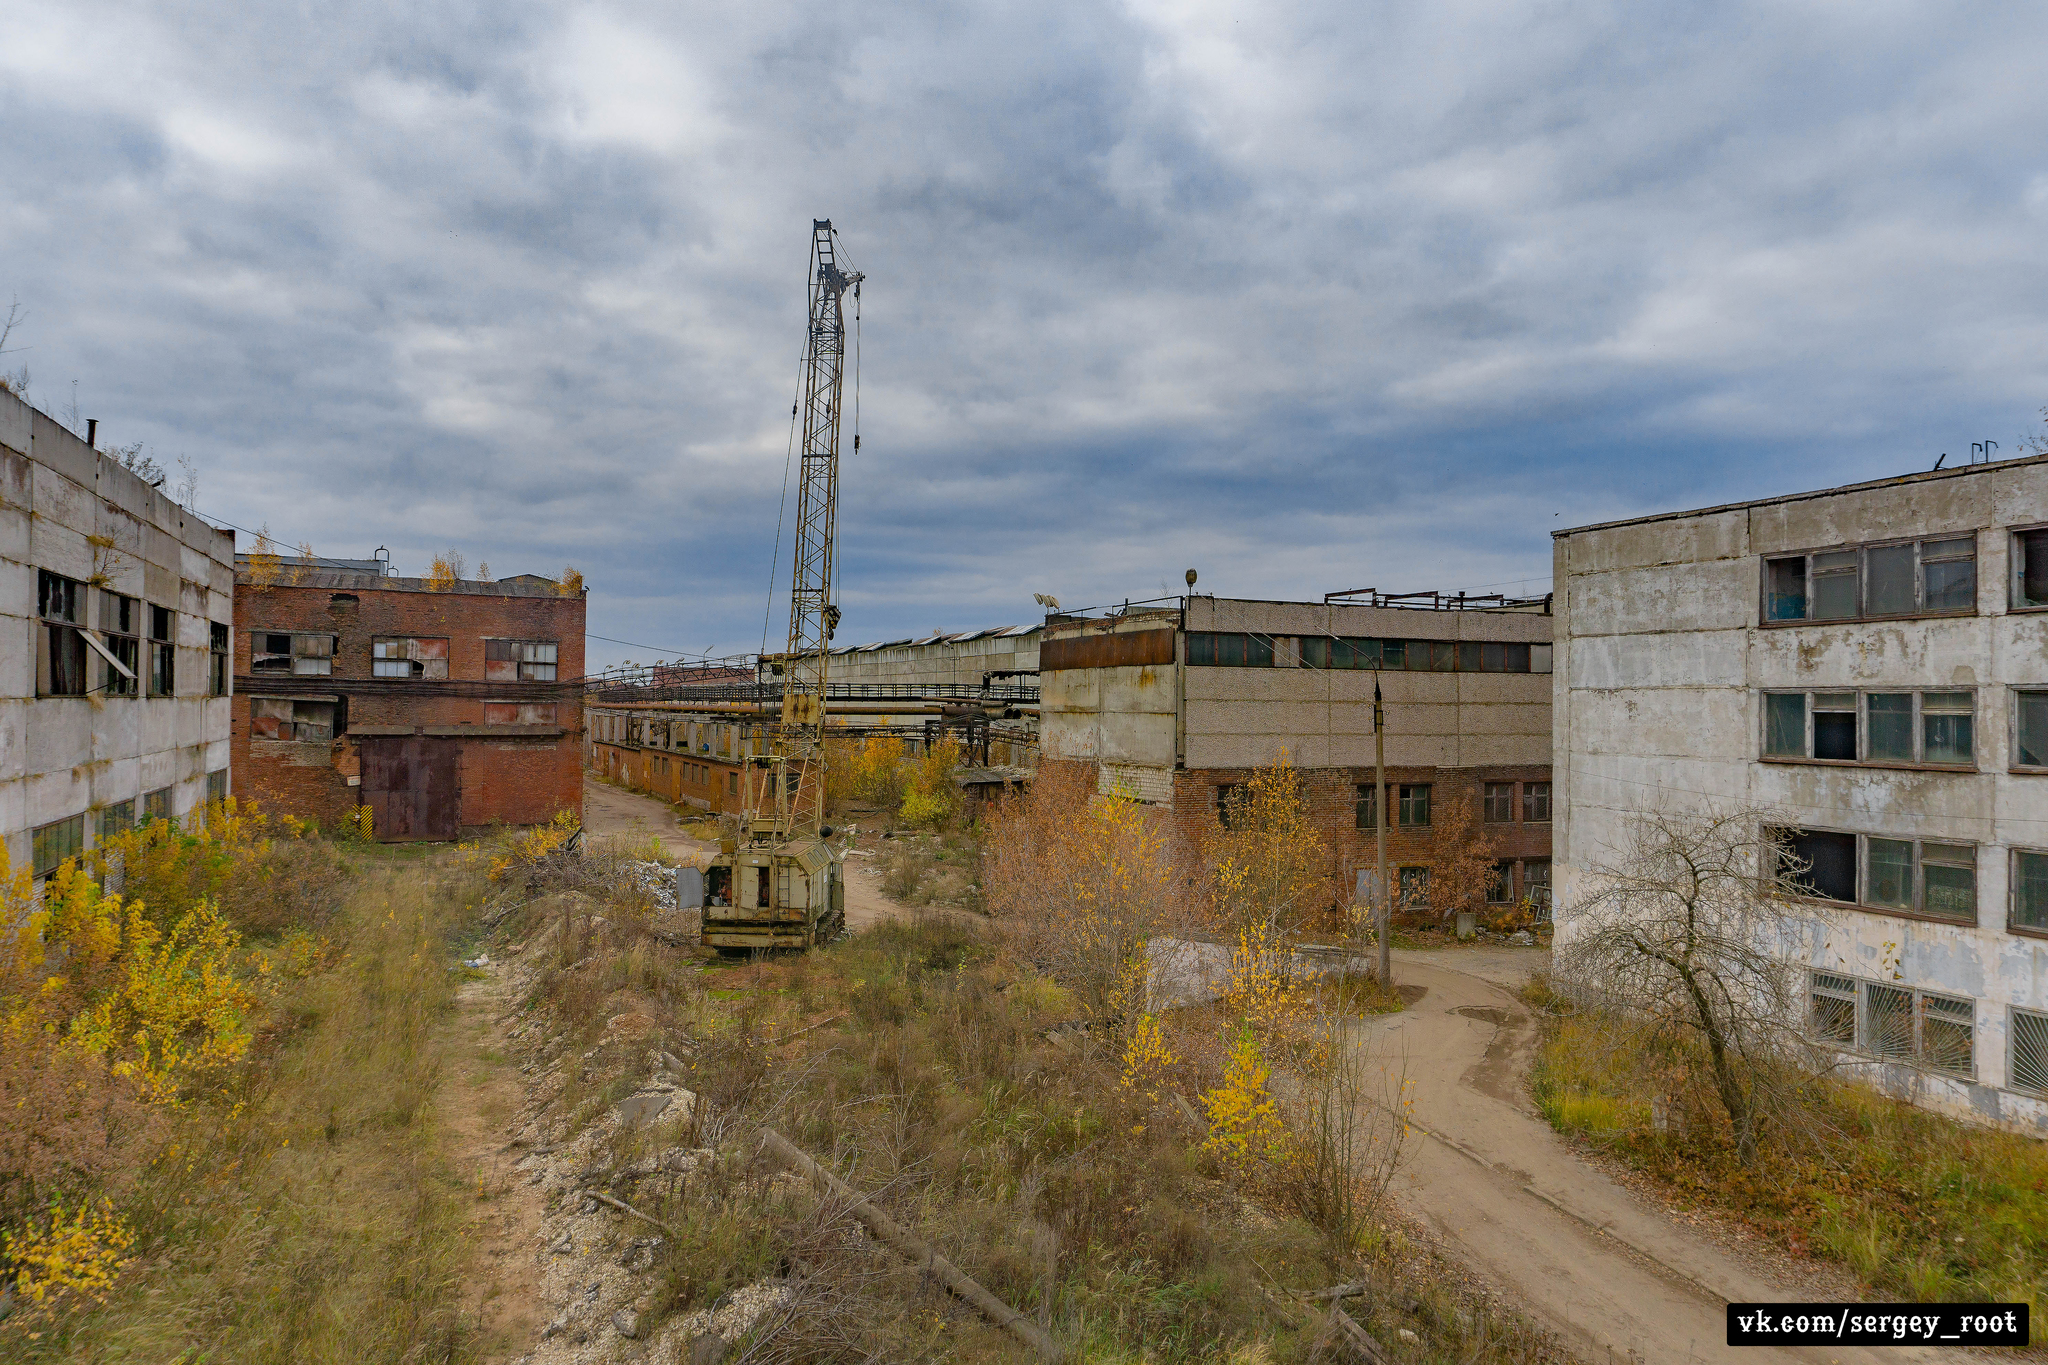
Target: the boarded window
(417, 657)
(283, 718)
(300, 654)
(53, 843)
(519, 713)
(519, 660)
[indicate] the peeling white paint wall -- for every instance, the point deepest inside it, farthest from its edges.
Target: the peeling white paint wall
(1661, 667)
(63, 756)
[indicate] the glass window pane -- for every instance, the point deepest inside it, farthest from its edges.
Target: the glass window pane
(1888, 580)
(1500, 886)
(1365, 653)
(1888, 878)
(1951, 585)
(1834, 586)
(1393, 654)
(1539, 658)
(1887, 1020)
(1785, 723)
(1493, 658)
(1258, 650)
(1947, 731)
(2030, 550)
(1201, 648)
(1315, 651)
(1891, 726)
(1962, 547)
(2030, 890)
(1468, 656)
(1785, 589)
(2033, 728)
(1442, 656)
(1368, 806)
(1517, 657)
(1414, 808)
(1536, 802)
(1500, 801)
(1950, 872)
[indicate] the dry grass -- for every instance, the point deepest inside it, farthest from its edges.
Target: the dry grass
(306, 1215)
(1916, 1204)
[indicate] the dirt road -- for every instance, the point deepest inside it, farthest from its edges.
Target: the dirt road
(1577, 1250)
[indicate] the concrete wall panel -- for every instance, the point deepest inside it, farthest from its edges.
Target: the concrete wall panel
(1710, 659)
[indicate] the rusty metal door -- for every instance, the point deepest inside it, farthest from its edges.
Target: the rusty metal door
(411, 783)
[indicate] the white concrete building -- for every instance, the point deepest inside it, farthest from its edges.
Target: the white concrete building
(1869, 665)
(118, 608)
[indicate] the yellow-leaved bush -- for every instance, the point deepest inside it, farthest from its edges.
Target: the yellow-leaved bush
(1245, 1132)
(536, 844)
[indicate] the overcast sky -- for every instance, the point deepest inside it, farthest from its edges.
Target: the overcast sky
(1305, 296)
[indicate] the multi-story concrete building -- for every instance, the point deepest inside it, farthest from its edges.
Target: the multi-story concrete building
(115, 702)
(443, 708)
(1868, 667)
(1179, 705)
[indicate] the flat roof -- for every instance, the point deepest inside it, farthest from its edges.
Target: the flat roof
(1897, 481)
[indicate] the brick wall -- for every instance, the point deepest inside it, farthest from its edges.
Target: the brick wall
(505, 779)
(672, 777)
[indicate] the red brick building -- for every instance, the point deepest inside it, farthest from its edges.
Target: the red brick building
(445, 710)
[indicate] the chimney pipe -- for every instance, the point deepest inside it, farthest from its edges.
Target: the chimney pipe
(92, 432)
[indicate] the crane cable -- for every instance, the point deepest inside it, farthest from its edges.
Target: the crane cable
(775, 559)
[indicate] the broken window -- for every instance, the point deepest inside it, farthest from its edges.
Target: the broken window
(218, 679)
(163, 651)
(403, 657)
(519, 713)
(1499, 802)
(1536, 802)
(121, 627)
(60, 662)
(302, 655)
(1413, 810)
(53, 843)
(1536, 885)
(156, 805)
(2030, 568)
(1230, 803)
(1818, 863)
(2029, 1069)
(1500, 885)
(286, 718)
(1908, 578)
(1873, 727)
(2029, 908)
(1414, 888)
(216, 786)
(519, 660)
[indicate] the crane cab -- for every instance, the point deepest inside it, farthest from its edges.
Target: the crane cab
(787, 894)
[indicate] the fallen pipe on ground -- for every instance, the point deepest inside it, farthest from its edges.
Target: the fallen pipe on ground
(913, 1249)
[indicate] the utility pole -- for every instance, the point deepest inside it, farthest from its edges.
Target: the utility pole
(1382, 919)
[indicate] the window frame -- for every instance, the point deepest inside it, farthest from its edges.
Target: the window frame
(378, 642)
(513, 652)
(1254, 648)
(2015, 570)
(42, 835)
(113, 819)
(1863, 903)
(2014, 1013)
(1230, 795)
(220, 644)
(61, 656)
(1368, 808)
(1510, 795)
(1861, 1021)
(2012, 887)
(1370, 654)
(263, 660)
(1530, 797)
(1861, 549)
(1417, 876)
(151, 800)
(1403, 800)
(124, 644)
(1918, 763)
(2013, 695)
(163, 650)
